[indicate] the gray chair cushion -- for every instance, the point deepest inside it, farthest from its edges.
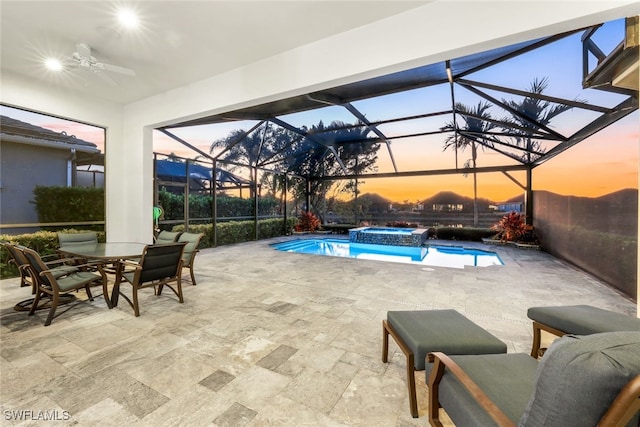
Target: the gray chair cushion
(579, 377)
(507, 379)
(192, 240)
(69, 239)
(583, 319)
(448, 331)
(167, 237)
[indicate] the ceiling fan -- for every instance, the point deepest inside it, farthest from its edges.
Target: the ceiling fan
(83, 59)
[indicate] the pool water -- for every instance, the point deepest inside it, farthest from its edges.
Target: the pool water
(439, 256)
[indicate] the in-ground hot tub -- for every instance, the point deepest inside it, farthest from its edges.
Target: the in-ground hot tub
(388, 236)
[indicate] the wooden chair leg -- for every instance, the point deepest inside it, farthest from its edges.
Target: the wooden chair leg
(434, 404)
(89, 294)
(193, 277)
(179, 285)
(136, 308)
(105, 294)
(411, 379)
(411, 384)
(36, 301)
(54, 304)
(385, 342)
(536, 340)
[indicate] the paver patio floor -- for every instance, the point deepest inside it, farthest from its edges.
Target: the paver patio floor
(265, 338)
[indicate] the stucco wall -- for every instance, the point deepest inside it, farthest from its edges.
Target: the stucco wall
(22, 168)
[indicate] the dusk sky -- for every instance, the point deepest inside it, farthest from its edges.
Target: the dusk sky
(604, 163)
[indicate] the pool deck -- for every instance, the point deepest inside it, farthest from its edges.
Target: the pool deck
(266, 338)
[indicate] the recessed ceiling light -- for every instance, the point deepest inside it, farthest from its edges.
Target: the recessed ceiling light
(53, 64)
(128, 18)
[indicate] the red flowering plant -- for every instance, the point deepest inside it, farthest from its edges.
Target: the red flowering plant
(512, 227)
(307, 222)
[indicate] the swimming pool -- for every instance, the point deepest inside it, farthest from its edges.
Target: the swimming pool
(439, 256)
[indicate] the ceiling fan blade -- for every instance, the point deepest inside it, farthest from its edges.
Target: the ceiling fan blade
(107, 78)
(117, 69)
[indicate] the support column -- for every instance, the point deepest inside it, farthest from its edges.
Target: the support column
(307, 194)
(528, 199)
(255, 202)
(214, 203)
(284, 208)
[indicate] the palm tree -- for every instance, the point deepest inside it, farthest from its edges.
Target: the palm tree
(470, 135)
(538, 111)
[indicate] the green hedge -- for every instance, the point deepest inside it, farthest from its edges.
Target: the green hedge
(239, 231)
(468, 234)
(338, 228)
(69, 204)
(227, 206)
(43, 242)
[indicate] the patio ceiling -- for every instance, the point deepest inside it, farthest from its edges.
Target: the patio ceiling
(506, 135)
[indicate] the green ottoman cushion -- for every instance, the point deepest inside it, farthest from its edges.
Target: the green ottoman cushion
(448, 331)
(579, 377)
(583, 319)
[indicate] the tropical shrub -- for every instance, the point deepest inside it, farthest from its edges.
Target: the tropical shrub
(307, 222)
(512, 227)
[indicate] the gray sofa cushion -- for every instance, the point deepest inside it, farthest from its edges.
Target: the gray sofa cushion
(583, 319)
(579, 377)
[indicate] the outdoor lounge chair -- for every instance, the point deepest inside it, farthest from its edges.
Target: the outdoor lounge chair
(52, 284)
(578, 320)
(580, 381)
(160, 265)
(190, 250)
(418, 332)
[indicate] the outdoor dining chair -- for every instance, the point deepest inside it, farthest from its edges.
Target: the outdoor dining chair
(78, 239)
(52, 285)
(159, 265)
(84, 238)
(21, 262)
(167, 237)
(192, 241)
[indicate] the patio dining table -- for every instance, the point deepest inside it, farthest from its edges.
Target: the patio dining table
(110, 252)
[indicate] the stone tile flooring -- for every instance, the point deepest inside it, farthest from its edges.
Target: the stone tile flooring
(265, 339)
